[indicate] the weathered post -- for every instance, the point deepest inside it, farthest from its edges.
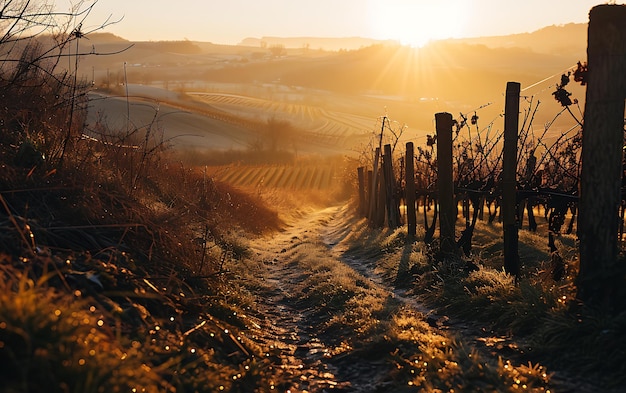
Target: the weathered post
(411, 217)
(368, 191)
(391, 205)
(361, 180)
(374, 186)
(603, 138)
(445, 182)
(509, 180)
(379, 216)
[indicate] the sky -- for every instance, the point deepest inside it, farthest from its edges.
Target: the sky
(412, 22)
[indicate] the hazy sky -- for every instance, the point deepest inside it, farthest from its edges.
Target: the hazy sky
(409, 21)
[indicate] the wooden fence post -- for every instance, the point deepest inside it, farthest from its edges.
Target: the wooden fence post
(374, 186)
(361, 180)
(368, 192)
(509, 178)
(411, 218)
(379, 216)
(391, 205)
(603, 137)
(445, 182)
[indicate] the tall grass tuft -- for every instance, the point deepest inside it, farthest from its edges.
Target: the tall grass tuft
(56, 342)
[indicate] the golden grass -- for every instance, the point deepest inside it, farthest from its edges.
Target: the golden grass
(537, 311)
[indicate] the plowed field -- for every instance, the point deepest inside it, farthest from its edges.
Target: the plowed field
(300, 177)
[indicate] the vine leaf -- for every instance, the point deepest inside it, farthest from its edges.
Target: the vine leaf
(562, 96)
(581, 73)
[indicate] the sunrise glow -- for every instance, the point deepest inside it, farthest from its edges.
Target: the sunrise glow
(411, 22)
(416, 23)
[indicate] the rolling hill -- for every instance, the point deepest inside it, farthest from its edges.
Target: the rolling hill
(347, 90)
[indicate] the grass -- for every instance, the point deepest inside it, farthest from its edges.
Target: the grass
(445, 364)
(364, 322)
(115, 259)
(96, 325)
(53, 341)
(541, 315)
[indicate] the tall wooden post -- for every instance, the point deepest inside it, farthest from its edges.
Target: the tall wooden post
(361, 180)
(603, 138)
(445, 182)
(368, 192)
(411, 218)
(379, 216)
(509, 178)
(391, 204)
(374, 186)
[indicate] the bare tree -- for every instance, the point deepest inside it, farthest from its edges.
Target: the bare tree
(278, 50)
(279, 133)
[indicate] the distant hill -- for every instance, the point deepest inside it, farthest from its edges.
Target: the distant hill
(463, 70)
(559, 40)
(563, 40)
(451, 75)
(456, 70)
(330, 43)
(105, 38)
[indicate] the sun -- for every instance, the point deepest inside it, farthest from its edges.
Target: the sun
(416, 22)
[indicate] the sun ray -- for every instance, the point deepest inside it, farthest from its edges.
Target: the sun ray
(415, 23)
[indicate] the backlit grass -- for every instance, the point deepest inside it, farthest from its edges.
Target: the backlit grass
(542, 315)
(355, 313)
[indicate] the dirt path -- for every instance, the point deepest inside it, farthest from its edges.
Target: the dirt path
(309, 356)
(314, 359)
(287, 329)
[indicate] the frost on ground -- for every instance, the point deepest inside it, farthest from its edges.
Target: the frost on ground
(333, 323)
